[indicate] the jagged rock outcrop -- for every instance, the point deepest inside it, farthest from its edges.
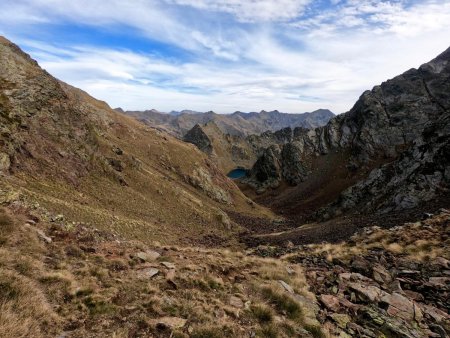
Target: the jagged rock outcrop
(404, 120)
(268, 166)
(418, 175)
(280, 162)
(198, 137)
(227, 151)
(294, 170)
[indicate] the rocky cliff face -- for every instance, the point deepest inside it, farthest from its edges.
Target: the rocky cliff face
(419, 175)
(403, 121)
(233, 151)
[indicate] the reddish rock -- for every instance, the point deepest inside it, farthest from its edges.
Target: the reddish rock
(331, 302)
(433, 312)
(439, 282)
(367, 292)
(399, 306)
(418, 297)
(381, 275)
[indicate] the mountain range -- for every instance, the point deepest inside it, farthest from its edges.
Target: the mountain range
(238, 123)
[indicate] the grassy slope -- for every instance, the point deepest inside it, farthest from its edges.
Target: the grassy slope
(90, 283)
(61, 148)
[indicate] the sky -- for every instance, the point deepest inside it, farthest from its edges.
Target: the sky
(228, 55)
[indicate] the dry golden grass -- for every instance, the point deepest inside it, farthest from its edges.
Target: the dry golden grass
(24, 309)
(417, 241)
(103, 285)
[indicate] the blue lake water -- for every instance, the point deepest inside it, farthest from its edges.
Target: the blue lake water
(237, 173)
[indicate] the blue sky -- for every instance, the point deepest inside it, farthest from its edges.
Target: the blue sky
(228, 55)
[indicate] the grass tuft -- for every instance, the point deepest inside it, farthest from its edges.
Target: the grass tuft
(283, 303)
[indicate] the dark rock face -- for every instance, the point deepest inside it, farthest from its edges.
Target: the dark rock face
(405, 121)
(280, 162)
(198, 137)
(268, 165)
(418, 175)
(294, 170)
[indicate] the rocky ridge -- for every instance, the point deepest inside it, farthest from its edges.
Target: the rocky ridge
(233, 151)
(236, 124)
(403, 123)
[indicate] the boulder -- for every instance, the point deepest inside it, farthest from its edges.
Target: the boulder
(441, 283)
(400, 306)
(331, 302)
(286, 286)
(341, 319)
(236, 302)
(43, 236)
(381, 275)
(438, 315)
(369, 293)
(169, 322)
(360, 264)
(148, 256)
(168, 265)
(148, 273)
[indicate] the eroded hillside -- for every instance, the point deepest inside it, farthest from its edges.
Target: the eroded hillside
(68, 152)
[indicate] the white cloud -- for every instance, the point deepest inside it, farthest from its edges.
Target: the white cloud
(325, 59)
(251, 10)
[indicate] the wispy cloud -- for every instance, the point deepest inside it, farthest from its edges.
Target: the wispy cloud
(251, 11)
(291, 55)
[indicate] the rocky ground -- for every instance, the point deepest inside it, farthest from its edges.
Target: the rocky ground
(381, 282)
(66, 279)
(75, 280)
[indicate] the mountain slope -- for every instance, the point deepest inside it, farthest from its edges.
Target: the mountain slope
(75, 156)
(237, 124)
(407, 113)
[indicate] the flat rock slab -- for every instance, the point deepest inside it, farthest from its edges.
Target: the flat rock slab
(286, 286)
(168, 265)
(236, 302)
(148, 256)
(148, 273)
(169, 322)
(368, 292)
(331, 302)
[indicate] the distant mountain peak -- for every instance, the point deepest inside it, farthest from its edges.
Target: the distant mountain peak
(237, 123)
